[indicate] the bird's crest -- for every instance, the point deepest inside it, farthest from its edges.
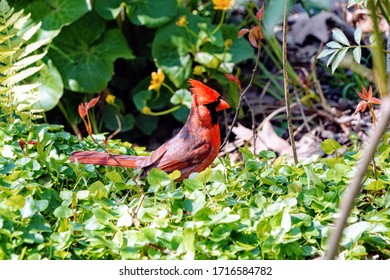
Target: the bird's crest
(203, 93)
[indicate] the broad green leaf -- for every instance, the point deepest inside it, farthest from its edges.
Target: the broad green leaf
(54, 14)
(147, 124)
(93, 224)
(339, 57)
(157, 179)
(102, 215)
(16, 201)
(98, 189)
(197, 201)
(114, 176)
(173, 47)
(82, 195)
(353, 232)
(51, 87)
(109, 9)
(151, 13)
(339, 35)
(357, 54)
(329, 146)
(63, 212)
(358, 35)
(86, 62)
(241, 49)
(204, 176)
(375, 186)
(66, 195)
(182, 96)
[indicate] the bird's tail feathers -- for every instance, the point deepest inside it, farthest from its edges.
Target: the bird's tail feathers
(100, 158)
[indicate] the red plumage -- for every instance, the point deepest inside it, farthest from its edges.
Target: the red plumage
(193, 149)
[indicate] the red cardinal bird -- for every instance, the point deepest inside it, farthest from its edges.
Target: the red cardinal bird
(191, 150)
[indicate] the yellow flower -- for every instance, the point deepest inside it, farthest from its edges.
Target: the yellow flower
(182, 21)
(110, 98)
(198, 70)
(223, 4)
(157, 80)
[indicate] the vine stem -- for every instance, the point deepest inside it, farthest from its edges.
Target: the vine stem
(244, 92)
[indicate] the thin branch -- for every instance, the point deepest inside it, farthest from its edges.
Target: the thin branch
(244, 92)
(354, 186)
(286, 90)
(254, 130)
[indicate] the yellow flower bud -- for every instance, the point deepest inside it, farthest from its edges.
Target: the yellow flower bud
(146, 110)
(228, 43)
(198, 70)
(110, 98)
(182, 21)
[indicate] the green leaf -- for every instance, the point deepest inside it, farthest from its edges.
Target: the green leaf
(114, 176)
(86, 62)
(241, 49)
(334, 45)
(353, 232)
(152, 13)
(63, 212)
(375, 186)
(173, 47)
(16, 201)
(157, 179)
(358, 35)
(51, 87)
(108, 9)
(82, 195)
(339, 35)
(339, 57)
(147, 124)
(54, 14)
(357, 54)
(329, 146)
(102, 216)
(326, 52)
(182, 96)
(98, 190)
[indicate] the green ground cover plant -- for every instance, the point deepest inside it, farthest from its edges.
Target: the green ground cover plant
(263, 208)
(246, 205)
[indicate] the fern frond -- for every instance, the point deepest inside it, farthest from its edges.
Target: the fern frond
(20, 76)
(20, 64)
(4, 38)
(19, 60)
(6, 54)
(31, 48)
(31, 31)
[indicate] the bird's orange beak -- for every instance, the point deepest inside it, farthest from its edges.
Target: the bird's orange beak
(222, 105)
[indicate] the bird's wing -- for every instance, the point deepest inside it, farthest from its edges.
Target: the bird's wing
(195, 155)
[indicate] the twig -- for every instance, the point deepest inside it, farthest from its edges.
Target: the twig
(354, 186)
(254, 130)
(244, 92)
(286, 90)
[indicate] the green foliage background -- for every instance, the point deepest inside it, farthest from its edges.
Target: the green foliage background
(264, 208)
